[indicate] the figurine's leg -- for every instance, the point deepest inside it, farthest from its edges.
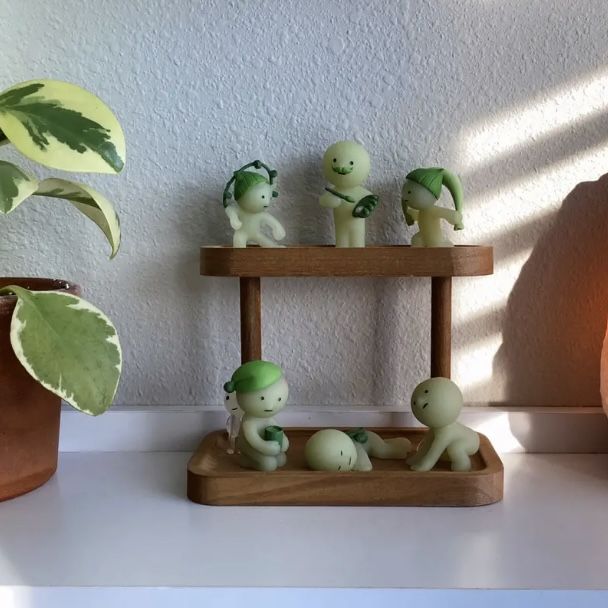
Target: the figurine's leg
(281, 459)
(417, 240)
(457, 452)
(264, 241)
(397, 447)
(363, 462)
(240, 239)
(342, 238)
(356, 233)
(260, 462)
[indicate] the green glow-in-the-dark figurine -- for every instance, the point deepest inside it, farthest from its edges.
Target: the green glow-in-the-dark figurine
(437, 403)
(252, 193)
(346, 166)
(333, 450)
(419, 195)
(261, 391)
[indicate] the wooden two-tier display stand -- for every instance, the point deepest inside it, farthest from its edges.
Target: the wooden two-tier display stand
(214, 477)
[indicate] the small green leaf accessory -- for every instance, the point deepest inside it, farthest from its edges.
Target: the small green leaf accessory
(89, 202)
(254, 376)
(67, 345)
(363, 209)
(15, 186)
(244, 180)
(359, 435)
(62, 126)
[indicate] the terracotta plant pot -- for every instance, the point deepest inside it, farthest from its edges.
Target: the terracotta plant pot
(29, 414)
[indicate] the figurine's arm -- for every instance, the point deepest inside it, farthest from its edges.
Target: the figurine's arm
(268, 448)
(284, 443)
(411, 214)
(329, 201)
(453, 217)
(278, 232)
(422, 448)
(233, 216)
(433, 454)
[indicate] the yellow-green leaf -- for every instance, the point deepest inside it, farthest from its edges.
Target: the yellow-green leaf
(15, 186)
(88, 201)
(67, 345)
(63, 126)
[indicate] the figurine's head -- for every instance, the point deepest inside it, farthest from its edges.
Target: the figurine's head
(252, 191)
(330, 450)
(422, 188)
(346, 164)
(232, 405)
(436, 402)
(261, 389)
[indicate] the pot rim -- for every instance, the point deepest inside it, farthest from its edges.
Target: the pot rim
(7, 303)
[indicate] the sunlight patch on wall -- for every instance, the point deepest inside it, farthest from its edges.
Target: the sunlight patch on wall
(555, 111)
(498, 429)
(472, 364)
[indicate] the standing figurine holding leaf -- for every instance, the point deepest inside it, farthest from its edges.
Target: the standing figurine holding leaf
(346, 166)
(252, 193)
(420, 193)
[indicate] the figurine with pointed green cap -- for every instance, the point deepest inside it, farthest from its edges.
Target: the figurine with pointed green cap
(252, 193)
(261, 391)
(420, 193)
(346, 166)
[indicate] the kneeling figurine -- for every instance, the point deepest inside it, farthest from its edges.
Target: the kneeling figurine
(261, 391)
(437, 403)
(333, 450)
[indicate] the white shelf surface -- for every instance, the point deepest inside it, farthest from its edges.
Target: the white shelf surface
(121, 521)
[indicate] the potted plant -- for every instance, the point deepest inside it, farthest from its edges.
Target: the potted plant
(53, 344)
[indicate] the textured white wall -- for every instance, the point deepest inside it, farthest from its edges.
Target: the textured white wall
(512, 95)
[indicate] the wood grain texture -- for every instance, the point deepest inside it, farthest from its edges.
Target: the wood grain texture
(441, 327)
(215, 478)
(329, 261)
(251, 319)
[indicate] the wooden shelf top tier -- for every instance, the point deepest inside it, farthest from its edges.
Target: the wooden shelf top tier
(330, 261)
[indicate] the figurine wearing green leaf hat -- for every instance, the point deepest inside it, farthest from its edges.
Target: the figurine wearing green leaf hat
(252, 193)
(261, 391)
(419, 196)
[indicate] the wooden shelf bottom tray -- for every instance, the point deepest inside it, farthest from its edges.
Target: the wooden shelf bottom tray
(215, 478)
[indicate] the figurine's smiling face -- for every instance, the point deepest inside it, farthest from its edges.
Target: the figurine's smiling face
(346, 164)
(257, 198)
(436, 402)
(231, 404)
(267, 402)
(331, 450)
(416, 196)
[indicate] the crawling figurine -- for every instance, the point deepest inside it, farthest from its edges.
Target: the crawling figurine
(333, 450)
(437, 402)
(233, 422)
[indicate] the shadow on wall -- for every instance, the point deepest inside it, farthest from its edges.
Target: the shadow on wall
(555, 317)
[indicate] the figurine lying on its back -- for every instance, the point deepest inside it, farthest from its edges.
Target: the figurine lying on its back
(333, 450)
(437, 402)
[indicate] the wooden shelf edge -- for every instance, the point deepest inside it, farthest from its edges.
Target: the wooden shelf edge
(330, 261)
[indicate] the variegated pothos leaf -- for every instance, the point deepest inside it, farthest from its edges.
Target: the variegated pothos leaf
(15, 186)
(67, 345)
(89, 202)
(63, 126)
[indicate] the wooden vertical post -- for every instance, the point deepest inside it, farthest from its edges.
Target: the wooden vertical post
(441, 326)
(251, 319)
